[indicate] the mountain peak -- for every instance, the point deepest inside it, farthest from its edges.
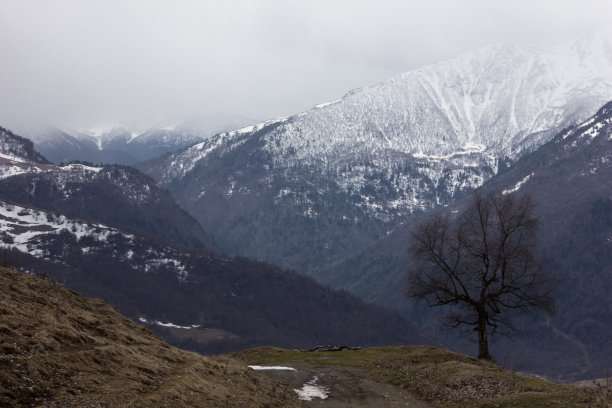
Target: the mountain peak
(382, 152)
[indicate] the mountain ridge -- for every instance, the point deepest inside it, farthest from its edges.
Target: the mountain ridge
(114, 195)
(126, 144)
(355, 169)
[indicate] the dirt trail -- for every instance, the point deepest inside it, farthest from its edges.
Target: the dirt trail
(345, 386)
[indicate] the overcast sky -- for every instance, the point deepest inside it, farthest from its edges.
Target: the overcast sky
(81, 62)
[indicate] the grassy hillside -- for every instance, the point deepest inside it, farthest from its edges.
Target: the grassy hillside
(442, 378)
(58, 348)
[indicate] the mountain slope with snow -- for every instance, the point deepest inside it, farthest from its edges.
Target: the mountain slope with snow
(17, 148)
(114, 195)
(309, 190)
(123, 144)
(570, 180)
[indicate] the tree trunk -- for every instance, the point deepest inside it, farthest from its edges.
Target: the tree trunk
(483, 341)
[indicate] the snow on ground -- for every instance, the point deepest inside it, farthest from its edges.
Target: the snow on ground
(10, 171)
(13, 166)
(11, 157)
(72, 167)
(262, 368)
(24, 225)
(16, 166)
(153, 264)
(308, 391)
(311, 390)
(21, 228)
(517, 185)
(171, 325)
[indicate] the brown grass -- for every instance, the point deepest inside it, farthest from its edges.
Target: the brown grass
(443, 378)
(58, 348)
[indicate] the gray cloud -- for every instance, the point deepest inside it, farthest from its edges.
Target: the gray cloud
(77, 61)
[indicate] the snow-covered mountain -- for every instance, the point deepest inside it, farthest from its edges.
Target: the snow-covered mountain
(145, 141)
(17, 148)
(307, 190)
(127, 144)
(65, 145)
(113, 195)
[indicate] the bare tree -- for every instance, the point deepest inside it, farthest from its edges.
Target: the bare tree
(483, 262)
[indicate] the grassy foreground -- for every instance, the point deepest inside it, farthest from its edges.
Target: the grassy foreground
(59, 349)
(443, 378)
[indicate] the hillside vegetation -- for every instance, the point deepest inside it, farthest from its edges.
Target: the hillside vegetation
(58, 348)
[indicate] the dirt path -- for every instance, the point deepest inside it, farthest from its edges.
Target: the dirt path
(345, 387)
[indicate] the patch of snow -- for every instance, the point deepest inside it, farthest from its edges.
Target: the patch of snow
(170, 325)
(283, 192)
(319, 106)
(11, 157)
(324, 104)
(230, 188)
(517, 185)
(310, 213)
(10, 171)
(134, 135)
(177, 265)
(469, 149)
(593, 131)
(259, 126)
(77, 167)
(263, 368)
(311, 390)
(25, 225)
